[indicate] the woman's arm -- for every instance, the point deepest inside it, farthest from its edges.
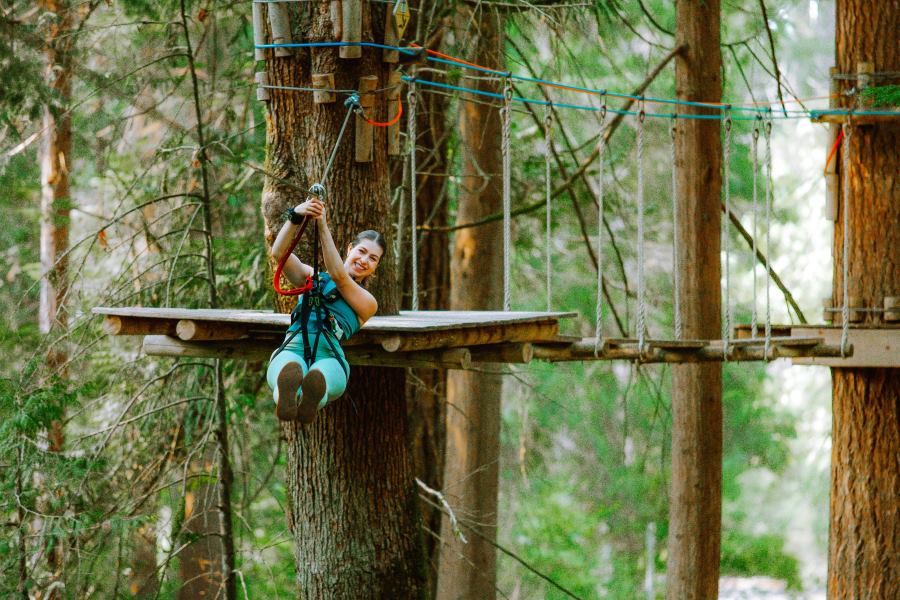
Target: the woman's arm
(360, 300)
(294, 269)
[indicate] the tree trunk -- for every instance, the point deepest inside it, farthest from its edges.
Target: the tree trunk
(352, 501)
(54, 157)
(427, 388)
(864, 526)
(473, 424)
(695, 502)
(55, 162)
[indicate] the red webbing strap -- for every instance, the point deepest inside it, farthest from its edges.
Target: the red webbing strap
(276, 280)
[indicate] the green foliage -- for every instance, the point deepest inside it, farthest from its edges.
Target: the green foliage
(745, 554)
(881, 96)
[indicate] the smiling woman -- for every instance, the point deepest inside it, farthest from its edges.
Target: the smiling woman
(305, 375)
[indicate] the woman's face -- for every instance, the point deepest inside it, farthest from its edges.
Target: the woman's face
(363, 259)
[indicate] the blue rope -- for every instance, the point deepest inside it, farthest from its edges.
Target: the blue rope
(790, 114)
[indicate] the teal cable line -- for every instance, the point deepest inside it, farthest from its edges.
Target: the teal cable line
(791, 114)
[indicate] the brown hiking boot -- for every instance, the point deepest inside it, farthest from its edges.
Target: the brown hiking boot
(288, 383)
(313, 387)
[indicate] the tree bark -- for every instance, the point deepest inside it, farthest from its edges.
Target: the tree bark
(473, 422)
(864, 525)
(352, 500)
(427, 388)
(55, 153)
(695, 503)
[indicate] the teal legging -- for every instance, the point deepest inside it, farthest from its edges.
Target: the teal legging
(326, 362)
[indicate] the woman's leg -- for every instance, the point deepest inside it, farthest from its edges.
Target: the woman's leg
(278, 363)
(335, 379)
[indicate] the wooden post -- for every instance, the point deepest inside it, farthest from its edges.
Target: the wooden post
(280, 24)
(262, 79)
(365, 133)
(336, 18)
(695, 499)
(891, 309)
(831, 169)
(259, 30)
(351, 27)
(864, 72)
(393, 97)
(390, 36)
(325, 83)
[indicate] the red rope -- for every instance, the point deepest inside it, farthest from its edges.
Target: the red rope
(834, 148)
(276, 281)
(392, 121)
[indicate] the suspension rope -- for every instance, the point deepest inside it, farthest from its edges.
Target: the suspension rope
(393, 121)
(506, 114)
(413, 240)
(641, 316)
(548, 141)
(755, 162)
(601, 160)
(679, 326)
(726, 151)
(845, 258)
(318, 190)
(769, 200)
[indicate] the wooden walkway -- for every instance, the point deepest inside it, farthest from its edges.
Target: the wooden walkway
(433, 339)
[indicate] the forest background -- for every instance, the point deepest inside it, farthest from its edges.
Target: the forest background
(107, 458)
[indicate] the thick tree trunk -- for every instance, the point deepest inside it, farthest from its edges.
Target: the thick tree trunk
(695, 503)
(427, 388)
(473, 423)
(864, 537)
(352, 500)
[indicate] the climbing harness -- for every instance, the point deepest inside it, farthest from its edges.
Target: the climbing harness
(313, 300)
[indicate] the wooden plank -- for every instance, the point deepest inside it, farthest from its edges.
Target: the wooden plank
(189, 330)
(473, 336)
(391, 37)
(411, 321)
(624, 350)
(115, 325)
(503, 353)
(744, 330)
(259, 30)
(280, 24)
(161, 345)
(393, 97)
(323, 84)
(871, 347)
(351, 28)
(365, 134)
(262, 80)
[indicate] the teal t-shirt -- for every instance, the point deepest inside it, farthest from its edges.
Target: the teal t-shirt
(346, 321)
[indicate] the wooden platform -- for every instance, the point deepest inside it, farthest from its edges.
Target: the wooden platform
(431, 339)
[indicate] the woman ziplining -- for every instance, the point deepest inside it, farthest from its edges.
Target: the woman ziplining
(305, 374)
